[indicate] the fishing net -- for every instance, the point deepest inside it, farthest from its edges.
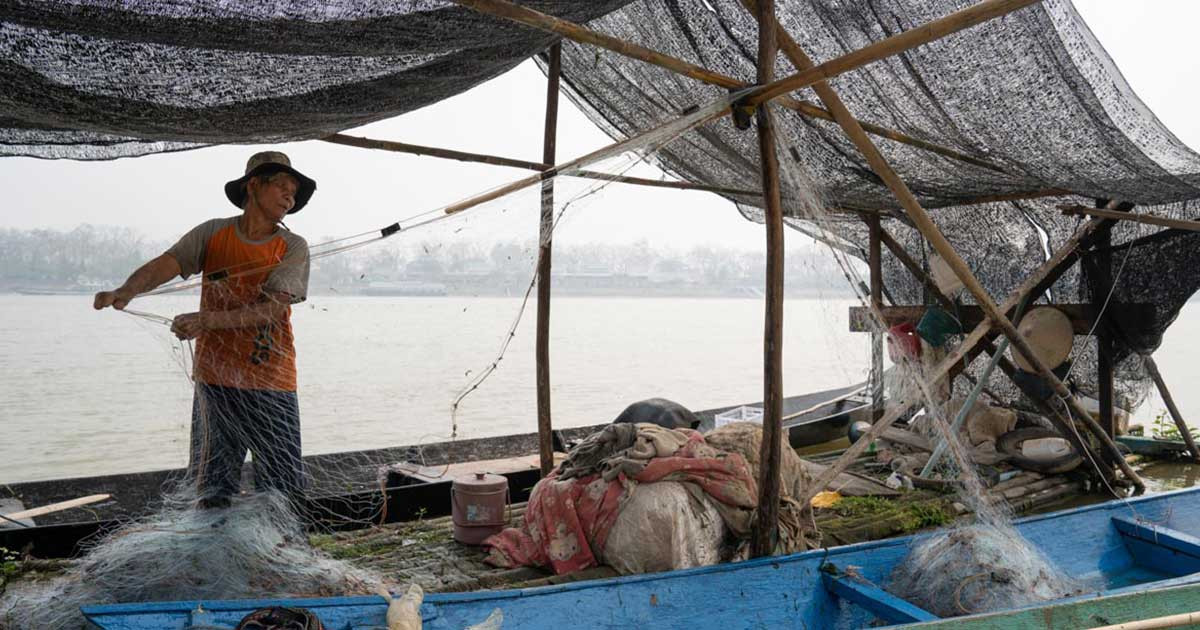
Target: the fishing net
(977, 569)
(256, 548)
(980, 565)
(221, 535)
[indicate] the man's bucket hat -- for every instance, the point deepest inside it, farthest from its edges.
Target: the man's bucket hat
(269, 163)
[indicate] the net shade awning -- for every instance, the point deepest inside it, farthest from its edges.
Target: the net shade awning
(1032, 93)
(93, 79)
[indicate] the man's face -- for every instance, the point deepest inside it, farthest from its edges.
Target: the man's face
(275, 196)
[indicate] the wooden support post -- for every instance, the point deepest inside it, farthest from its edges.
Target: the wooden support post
(577, 33)
(545, 239)
(764, 534)
(874, 263)
(1169, 400)
(1102, 257)
(920, 218)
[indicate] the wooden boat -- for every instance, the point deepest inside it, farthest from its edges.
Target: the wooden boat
(814, 418)
(1114, 548)
(1152, 446)
(819, 417)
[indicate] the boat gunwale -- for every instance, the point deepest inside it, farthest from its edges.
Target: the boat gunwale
(1164, 586)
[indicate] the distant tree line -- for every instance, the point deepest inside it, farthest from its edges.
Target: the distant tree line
(89, 255)
(708, 265)
(97, 255)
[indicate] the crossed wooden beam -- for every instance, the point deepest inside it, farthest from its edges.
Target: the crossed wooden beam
(1048, 274)
(996, 317)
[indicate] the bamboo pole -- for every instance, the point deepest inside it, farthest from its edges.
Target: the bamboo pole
(1169, 621)
(416, 149)
(658, 183)
(1178, 224)
(962, 203)
(937, 29)
(764, 534)
(1169, 400)
(602, 153)
(481, 158)
(874, 264)
(920, 218)
(1003, 197)
(58, 507)
(463, 156)
(577, 33)
(805, 108)
(545, 240)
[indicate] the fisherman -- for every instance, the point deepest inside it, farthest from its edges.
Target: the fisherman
(254, 269)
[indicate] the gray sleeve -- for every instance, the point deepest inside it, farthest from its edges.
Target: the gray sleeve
(291, 276)
(189, 251)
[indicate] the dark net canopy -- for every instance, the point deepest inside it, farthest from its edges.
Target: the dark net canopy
(1032, 95)
(98, 79)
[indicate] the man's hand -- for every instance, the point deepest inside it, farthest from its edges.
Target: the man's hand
(188, 325)
(116, 299)
(148, 276)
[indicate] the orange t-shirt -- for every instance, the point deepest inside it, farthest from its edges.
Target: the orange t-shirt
(239, 272)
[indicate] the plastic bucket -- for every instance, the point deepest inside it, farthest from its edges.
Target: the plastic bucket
(936, 326)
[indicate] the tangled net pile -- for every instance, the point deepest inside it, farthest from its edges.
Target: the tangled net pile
(978, 568)
(256, 548)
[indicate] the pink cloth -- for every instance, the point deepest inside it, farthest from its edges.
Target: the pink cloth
(567, 522)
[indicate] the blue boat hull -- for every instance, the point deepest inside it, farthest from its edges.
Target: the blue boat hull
(1118, 546)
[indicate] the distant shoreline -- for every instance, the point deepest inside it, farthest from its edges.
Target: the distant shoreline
(615, 292)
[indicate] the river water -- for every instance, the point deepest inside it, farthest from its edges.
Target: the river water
(88, 393)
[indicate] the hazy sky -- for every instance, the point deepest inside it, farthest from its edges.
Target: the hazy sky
(1153, 43)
